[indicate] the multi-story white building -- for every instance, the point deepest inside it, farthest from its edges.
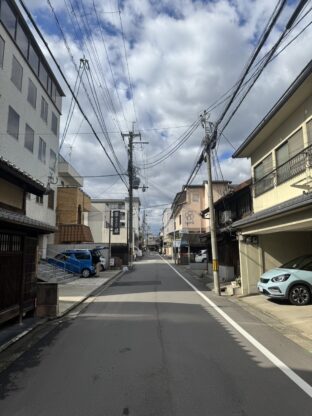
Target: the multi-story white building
(99, 219)
(30, 109)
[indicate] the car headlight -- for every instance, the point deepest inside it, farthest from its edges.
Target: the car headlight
(281, 278)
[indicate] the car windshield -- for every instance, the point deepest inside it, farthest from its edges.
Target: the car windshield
(82, 256)
(301, 263)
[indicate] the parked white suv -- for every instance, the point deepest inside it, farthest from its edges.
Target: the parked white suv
(201, 257)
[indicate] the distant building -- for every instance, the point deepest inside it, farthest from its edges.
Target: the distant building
(73, 206)
(99, 223)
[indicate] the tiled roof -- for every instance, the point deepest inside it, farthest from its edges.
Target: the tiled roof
(15, 171)
(21, 219)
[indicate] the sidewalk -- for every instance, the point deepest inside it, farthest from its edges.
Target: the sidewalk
(295, 322)
(71, 294)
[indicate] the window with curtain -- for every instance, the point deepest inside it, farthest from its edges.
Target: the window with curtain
(290, 160)
(263, 176)
(290, 148)
(263, 168)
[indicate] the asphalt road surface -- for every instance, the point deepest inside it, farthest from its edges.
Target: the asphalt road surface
(149, 345)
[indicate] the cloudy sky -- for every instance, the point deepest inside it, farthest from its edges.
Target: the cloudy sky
(156, 65)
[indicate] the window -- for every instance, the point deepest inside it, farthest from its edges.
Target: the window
(28, 196)
(39, 199)
(263, 176)
(22, 40)
(180, 219)
(44, 110)
(51, 199)
(13, 123)
(53, 92)
(43, 75)
(8, 17)
(33, 59)
(17, 73)
(84, 255)
(1, 51)
(52, 163)
(54, 124)
(264, 167)
(290, 148)
(42, 150)
(29, 138)
(32, 93)
(290, 159)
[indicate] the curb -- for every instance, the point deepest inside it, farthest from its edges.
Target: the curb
(15, 339)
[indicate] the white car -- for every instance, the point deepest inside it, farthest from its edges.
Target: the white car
(201, 257)
(137, 252)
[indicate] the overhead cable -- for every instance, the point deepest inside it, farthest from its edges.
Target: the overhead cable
(68, 85)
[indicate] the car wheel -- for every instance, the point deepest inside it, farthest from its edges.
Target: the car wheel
(85, 273)
(299, 295)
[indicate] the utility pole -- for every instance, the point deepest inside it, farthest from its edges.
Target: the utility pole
(209, 142)
(130, 135)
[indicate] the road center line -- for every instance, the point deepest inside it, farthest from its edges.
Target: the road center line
(307, 388)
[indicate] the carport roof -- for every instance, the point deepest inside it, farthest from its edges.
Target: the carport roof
(277, 210)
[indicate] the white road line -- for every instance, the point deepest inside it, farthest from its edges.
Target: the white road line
(268, 354)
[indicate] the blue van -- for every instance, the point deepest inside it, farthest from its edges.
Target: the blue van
(75, 261)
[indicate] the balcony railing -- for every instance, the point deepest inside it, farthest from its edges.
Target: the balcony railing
(286, 171)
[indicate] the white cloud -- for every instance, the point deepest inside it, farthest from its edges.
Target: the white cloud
(182, 56)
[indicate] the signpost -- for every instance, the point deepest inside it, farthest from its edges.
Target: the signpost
(116, 222)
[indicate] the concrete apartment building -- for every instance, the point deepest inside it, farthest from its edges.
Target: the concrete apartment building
(99, 220)
(280, 149)
(30, 108)
(30, 105)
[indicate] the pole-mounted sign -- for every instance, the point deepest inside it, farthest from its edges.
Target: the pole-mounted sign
(116, 222)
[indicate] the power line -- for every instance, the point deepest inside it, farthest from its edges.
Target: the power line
(65, 79)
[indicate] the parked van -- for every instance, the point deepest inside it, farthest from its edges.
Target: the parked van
(75, 261)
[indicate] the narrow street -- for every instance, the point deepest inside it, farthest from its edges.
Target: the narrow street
(150, 345)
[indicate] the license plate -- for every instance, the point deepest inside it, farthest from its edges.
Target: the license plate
(260, 289)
